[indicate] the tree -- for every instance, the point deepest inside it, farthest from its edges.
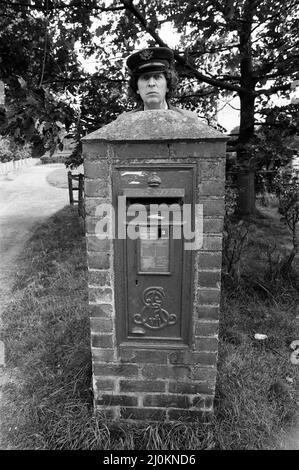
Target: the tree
(274, 143)
(244, 47)
(39, 66)
(287, 190)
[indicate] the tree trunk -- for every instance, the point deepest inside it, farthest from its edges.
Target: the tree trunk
(246, 193)
(246, 176)
(246, 197)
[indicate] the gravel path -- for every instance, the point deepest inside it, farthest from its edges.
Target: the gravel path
(27, 199)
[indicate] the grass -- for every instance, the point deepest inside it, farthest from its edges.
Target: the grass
(49, 405)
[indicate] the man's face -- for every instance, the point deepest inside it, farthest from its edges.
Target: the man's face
(152, 88)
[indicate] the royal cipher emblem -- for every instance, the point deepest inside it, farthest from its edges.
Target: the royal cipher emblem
(146, 55)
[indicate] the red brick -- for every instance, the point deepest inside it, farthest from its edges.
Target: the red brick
(211, 188)
(100, 294)
(117, 370)
(92, 203)
(189, 357)
(208, 296)
(209, 402)
(102, 341)
(203, 373)
(203, 402)
(98, 260)
(212, 170)
(206, 328)
(105, 385)
(209, 260)
(98, 225)
(101, 325)
(185, 415)
(187, 149)
(142, 386)
(161, 372)
(191, 388)
(95, 188)
(141, 150)
(164, 401)
(95, 244)
(117, 400)
(102, 355)
(204, 150)
(96, 169)
(206, 344)
(147, 414)
(209, 278)
(212, 243)
(207, 312)
(90, 224)
(143, 356)
(99, 277)
(213, 225)
(101, 310)
(198, 402)
(94, 151)
(213, 207)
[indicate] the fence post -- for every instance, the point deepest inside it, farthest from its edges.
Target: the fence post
(80, 195)
(70, 183)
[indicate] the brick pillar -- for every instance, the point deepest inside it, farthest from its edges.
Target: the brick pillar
(139, 381)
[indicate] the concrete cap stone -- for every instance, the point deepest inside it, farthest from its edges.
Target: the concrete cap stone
(156, 125)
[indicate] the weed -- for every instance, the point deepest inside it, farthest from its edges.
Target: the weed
(47, 340)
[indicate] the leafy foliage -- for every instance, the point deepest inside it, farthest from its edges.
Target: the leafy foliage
(287, 189)
(39, 67)
(10, 150)
(244, 48)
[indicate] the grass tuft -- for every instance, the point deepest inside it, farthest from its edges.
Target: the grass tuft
(49, 405)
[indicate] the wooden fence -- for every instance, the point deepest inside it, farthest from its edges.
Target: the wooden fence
(78, 188)
(13, 165)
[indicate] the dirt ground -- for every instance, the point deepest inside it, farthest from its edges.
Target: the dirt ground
(28, 196)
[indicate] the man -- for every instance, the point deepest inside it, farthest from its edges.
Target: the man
(153, 80)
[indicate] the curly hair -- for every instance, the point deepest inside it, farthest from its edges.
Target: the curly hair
(171, 79)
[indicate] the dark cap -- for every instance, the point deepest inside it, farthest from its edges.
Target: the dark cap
(152, 59)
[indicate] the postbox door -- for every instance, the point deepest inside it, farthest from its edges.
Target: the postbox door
(153, 272)
(154, 276)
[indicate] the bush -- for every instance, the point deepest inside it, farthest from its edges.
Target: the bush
(5, 151)
(22, 151)
(287, 190)
(235, 237)
(10, 151)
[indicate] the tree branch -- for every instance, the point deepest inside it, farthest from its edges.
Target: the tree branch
(278, 11)
(57, 7)
(45, 46)
(266, 68)
(197, 95)
(270, 91)
(181, 60)
(214, 50)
